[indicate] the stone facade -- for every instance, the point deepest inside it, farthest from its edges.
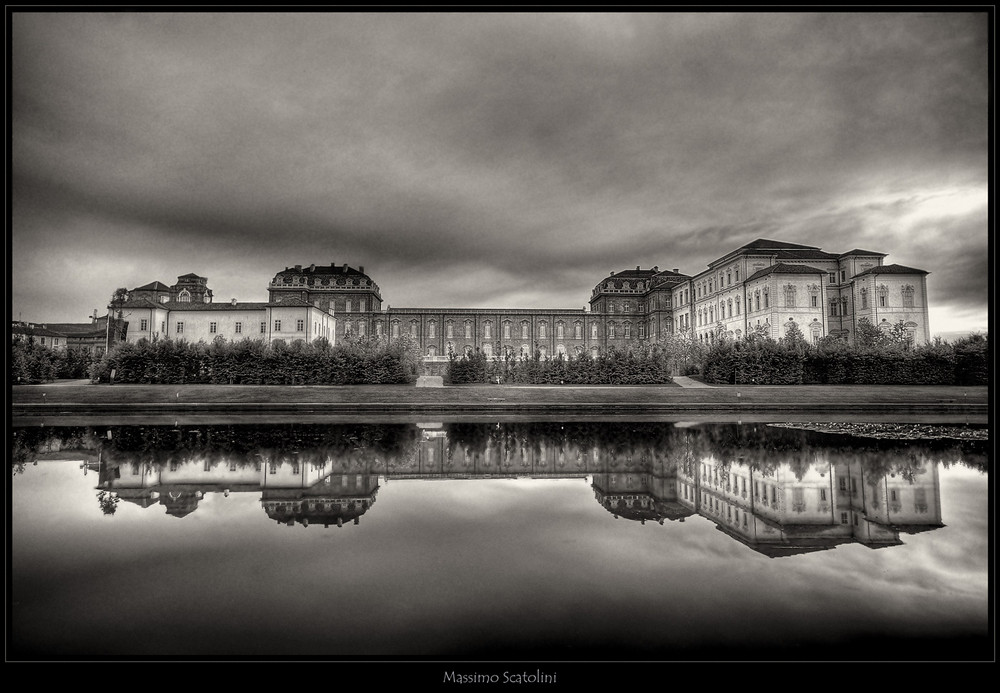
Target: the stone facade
(764, 285)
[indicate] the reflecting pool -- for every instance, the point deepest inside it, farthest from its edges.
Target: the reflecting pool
(541, 541)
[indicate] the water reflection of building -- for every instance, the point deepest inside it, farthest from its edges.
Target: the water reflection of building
(812, 507)
(779, 493)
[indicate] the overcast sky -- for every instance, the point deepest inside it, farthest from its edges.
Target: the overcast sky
(489, 160)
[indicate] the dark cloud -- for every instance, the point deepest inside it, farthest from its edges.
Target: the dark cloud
(469, 159)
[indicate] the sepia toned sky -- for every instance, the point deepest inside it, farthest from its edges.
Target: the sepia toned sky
(489, 160)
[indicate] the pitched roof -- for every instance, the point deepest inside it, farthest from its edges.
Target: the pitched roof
(782, 268)
(891, 269)
(858, 251)
(766, 244)
(153, 286)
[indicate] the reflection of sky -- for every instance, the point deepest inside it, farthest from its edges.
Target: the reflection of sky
(436, 565)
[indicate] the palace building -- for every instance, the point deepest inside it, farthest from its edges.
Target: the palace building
(764, 285)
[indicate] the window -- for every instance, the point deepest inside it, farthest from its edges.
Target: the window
(627, 330)
(449, 331)
(213, 327)
(541, 331)
(506, 330)
(881, 301)
(239, 328)
(394, 330)
(488, 330)
(347, 306)
(468, 330)
(814, 301)
(432, 329)
(277, 326)
(413, 328)
(611, 331)
(833, 277)
(593, 330)
(843, 276)
(907, 297)
(843, 518)
(299, 325)
(263, 327)
(184, 297)
(143, 325)
(864, 298)
(524, 330)
(163, 325)
(180, 328)
(833, 309)
(789, 296)
(767, 302)
(578, 331)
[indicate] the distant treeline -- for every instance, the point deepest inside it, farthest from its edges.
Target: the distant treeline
(876, 358)
(636, 365)
(368, 360)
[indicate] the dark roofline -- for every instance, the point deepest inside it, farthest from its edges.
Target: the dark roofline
(782, 268)
(891, 269)
(761, 245)
(858, 251)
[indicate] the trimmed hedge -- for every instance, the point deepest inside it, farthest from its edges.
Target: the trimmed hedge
(767, 362)
(640, 365)
(251, 362)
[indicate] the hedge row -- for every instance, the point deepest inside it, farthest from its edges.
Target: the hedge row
(614, 367)
(772, 363)
(32, 363)
(257, 363)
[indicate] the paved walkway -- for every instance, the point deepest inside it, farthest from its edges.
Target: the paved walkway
(685, 381)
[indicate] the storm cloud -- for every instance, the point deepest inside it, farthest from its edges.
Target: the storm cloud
(489, 160)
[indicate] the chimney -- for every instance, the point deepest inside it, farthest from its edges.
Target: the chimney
(637, 267)
(361, 268)
(345, 268)
(312, 268)
(298, 268)
(656, 268)
(233, 302)
(676, 271)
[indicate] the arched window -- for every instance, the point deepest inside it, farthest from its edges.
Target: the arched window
(907, 292)
(542, 328)
(593, 330)
(468, 329)
(488, 330)
(627, 330)
(432, 329)
(449, 330)
(184, 296)
(413, 328)
(506, 330)
(611, 330)
(789, 295)
(577, 330)
(394, 330)
(524, 329)
(488, 350)
(432, 350)
(560, 330)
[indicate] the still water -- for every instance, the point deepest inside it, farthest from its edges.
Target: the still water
(496, 541)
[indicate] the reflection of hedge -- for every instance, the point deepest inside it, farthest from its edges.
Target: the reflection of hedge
(634, 366)
(257, 363)
(766, 362)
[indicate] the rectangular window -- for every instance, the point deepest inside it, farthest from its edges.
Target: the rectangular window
(239, 328)
(263, 327)
(833, 277)
(180, 328)
(814, 301)
(143, 325)
(843, 518)
(299, 325)
(213, 327)
(881, 301)
(163, 325)
(843, 276)
(277, 326)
